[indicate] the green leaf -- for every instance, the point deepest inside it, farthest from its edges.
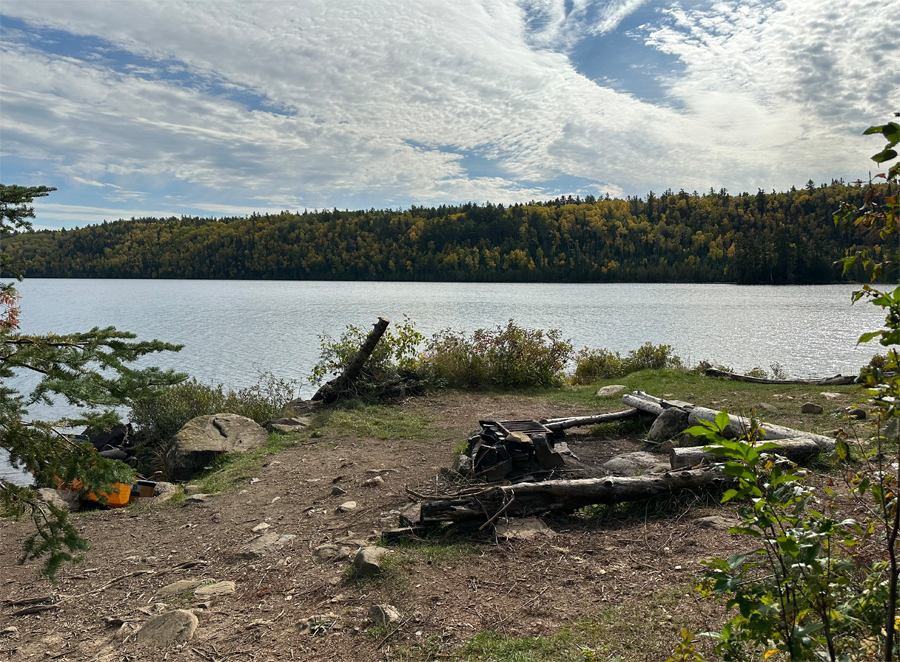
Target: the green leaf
(885, 155)
(866, 337)
(842, 449)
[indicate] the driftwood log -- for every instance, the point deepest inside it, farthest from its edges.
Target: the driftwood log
(527, 499)
(644, 402)
(737, 424)
(332, 390)
(557, 424)
(796, 450)
(837, 380)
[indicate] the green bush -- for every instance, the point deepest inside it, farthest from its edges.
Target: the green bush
(157, 415)
(596, 364)
(392, 369)
(508, 357)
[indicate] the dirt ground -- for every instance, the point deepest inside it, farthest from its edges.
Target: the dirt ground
(620, 582)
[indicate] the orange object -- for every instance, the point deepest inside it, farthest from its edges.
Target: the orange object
(114, 500)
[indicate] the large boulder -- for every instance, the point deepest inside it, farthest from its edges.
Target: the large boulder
(670, 423)
(205, 438)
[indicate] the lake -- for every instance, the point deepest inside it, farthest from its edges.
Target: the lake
(234, 330)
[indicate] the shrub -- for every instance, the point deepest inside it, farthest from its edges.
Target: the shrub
(510, 356)
(162, 412)
(393, 367)
(595, 364)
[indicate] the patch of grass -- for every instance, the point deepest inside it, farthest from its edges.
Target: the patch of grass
(644, 631)
(664, 507)
(380, 422)
(236, 468)
(438, 551)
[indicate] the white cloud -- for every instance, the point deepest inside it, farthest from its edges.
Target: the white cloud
(385, 101)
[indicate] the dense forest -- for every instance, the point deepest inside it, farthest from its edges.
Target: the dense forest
(773, 237)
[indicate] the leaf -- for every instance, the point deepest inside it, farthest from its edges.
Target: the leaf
(866, 337)
(722, 420)
(770, 653)
(885, 155)
(842, 449)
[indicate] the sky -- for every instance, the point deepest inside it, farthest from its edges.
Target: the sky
(138, 108)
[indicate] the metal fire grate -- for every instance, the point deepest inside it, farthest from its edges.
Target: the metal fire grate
(528, 427)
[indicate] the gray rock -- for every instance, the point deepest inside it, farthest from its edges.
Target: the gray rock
(285, 425)
(12, 631)
(191, 489)
(163, 491)
(179, 587)
(62, 499)
(610, 391)
(374, 482)
(346, 507)
(265, 544)
(262, 526)
(668, 424)
(812, 408)
(205, 438)
(337, 491)
(828, 395)
(462, 464)
(714, 522)
(334, 552)
(381, 614)
(858, 413)
(765, 406)
(215, 590)
(688, 440)
(175, 627)
(523, 529)
(367, 561)
(633, 464)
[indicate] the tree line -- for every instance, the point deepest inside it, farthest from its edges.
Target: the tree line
(777, 238)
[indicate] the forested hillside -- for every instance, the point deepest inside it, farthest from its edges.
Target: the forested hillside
(748, 238)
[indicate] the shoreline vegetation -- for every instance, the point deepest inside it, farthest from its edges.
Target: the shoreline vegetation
(762, 238)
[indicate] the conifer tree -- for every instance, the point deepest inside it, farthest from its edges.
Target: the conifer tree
(90, 372)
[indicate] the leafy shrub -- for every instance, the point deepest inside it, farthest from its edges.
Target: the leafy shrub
(757, 372)
(595, 364)
(392, 368)
(158, 414)
(510, 356)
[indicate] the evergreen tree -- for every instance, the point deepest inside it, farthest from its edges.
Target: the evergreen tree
(89, 371)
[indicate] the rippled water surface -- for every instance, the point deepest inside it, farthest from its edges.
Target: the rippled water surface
(233, 330)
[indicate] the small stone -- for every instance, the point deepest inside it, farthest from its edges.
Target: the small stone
(346, 507)
(337, 491)
(368, 561)
(179, 587)
(197, 498)
(828, 395)
(262, 526)
(713, 522)
(668, 424)
(812, 408)
(254, 481)
(765, 406)
(610, 391)
(264, 544)
(381, 614)
(463, 464)
(523, 529)
(215, 590)
(858, 413)
(633, 464)
(374, 482)
(62, 499)
(334, 552)
(12, 631)
(174, 627)
(191, 489)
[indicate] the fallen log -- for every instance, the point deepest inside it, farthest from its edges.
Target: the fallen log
(332, 390)
(644, 402)
(526, 499)
(837, 380)
(557, 424)
(738, 424)
(798, 451)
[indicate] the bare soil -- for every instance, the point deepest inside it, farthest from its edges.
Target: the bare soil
(620, 581)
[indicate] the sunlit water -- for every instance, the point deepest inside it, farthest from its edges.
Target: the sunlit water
(234, 330)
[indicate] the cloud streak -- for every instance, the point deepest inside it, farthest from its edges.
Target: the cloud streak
(317, 104)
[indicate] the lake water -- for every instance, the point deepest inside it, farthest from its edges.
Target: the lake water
(233, 330)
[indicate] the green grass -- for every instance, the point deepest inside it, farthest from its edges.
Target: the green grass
(237, 468)
(379, 422)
